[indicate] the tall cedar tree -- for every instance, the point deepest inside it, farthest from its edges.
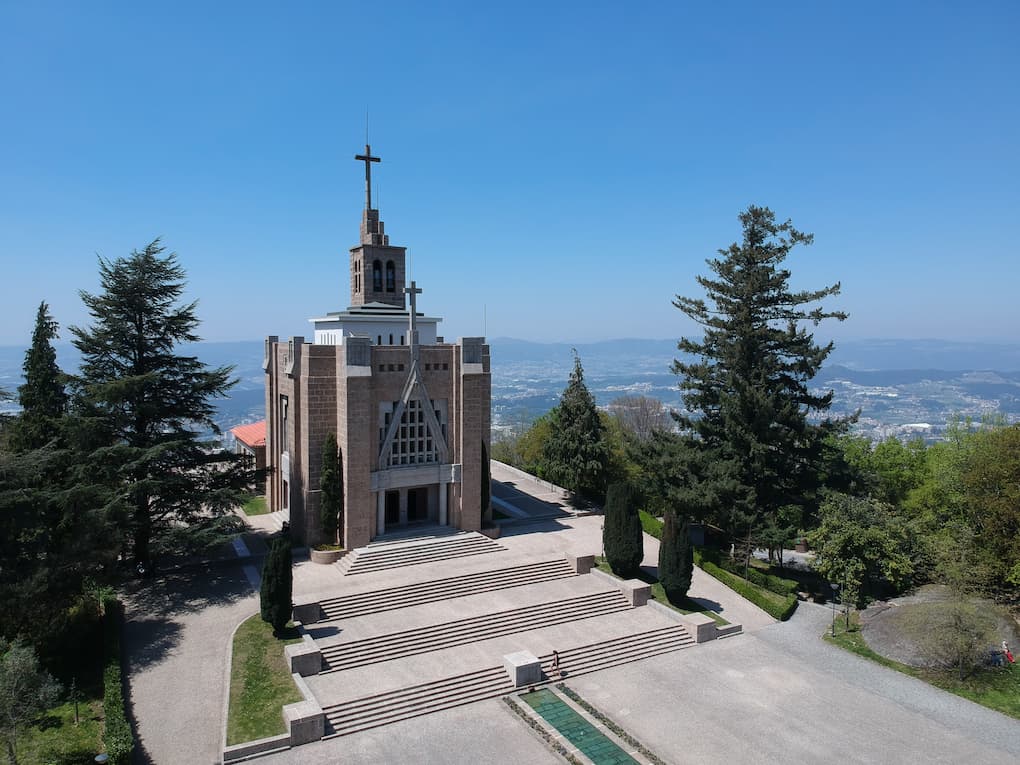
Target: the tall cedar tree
(621, 534)
(745, 383)
(145, 403)
(277, 588)
(676, 559)
(576, 454)
(43, 398)
(331, 484)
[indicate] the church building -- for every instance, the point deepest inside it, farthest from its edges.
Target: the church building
(411, 412)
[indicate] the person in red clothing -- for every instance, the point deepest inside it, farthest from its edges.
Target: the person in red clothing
(1007, 652)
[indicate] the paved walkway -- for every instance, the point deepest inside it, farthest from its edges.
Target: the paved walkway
(775, 694)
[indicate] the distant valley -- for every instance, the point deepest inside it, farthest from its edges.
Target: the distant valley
(902, 387)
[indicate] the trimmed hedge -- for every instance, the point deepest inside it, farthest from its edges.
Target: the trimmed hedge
(117, 736)
(781, 611)
(650, 524)
(711, 562)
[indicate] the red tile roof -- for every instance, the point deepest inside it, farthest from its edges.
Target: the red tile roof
(252, 435)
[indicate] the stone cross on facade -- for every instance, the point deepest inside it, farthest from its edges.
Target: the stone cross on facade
(413, 291)
(368, 159)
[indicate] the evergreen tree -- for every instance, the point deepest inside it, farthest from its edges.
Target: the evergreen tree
(575, 454)
(748, 407)
(331, 484)
(621, 534)
(43, 398)
(676, 559)
(277, 589)
(145, 402)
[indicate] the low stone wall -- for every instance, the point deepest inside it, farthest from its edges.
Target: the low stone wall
(261, 746)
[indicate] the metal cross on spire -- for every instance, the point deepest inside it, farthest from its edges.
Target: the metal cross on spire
(413, 291)
(368, 159)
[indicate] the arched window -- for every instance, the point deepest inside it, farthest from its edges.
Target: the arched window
(377, 276)
(391, 277)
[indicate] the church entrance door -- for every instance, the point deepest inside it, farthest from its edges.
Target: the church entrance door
(392, 508)
(417, 505)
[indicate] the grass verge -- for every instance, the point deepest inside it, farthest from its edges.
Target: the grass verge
(256, 506)
(997, 689)
(260, 682)
(56, 739)
(686, 606)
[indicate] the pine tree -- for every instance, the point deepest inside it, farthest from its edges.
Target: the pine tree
(277, 588)
(145, 403)
(576, 454)
(676, 559)
(749, 410)
(622, 536)
(43, 398)
(331, 484)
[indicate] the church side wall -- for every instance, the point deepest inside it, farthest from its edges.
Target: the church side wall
(317, 416)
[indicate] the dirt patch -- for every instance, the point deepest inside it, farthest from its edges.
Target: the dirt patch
(885, 626)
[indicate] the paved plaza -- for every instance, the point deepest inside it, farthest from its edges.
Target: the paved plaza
(776, 693)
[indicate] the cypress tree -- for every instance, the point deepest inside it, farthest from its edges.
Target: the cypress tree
(576, 454)
(676, 559)
(331, 484)
(43, 398)
(748, 407)
(621, 536)
(276, 591)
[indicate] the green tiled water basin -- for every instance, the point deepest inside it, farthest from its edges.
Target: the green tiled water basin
(578, 731)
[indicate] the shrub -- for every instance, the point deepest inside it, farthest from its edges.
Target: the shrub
(621, 535)
(782, 611)
(650, 524)
(117, 736)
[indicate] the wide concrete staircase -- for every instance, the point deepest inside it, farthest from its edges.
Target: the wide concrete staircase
(425, 698)
(382, 555)
(435, 590)
(435, 637)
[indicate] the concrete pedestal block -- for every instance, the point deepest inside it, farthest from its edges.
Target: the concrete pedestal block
(635, 591)
(701, 627)
(304, 658)
(582, 564)
(307, 613)
(523, 668)
(305, 722)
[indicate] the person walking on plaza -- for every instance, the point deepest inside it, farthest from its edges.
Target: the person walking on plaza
(554, 668)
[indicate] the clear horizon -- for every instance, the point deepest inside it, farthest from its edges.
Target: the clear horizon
(556, 172)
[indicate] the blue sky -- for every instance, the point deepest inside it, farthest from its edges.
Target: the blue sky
(559, 171)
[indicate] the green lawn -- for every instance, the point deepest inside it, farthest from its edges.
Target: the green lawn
(997, 689)
(56, 740)
(687, 606)
(260, 682)
(256, 506)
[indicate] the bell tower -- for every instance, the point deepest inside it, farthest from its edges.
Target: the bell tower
(377, 268)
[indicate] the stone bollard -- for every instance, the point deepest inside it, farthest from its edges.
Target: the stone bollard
(581, 564)
(523, 668)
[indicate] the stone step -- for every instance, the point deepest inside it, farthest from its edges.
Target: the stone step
(378, 558)
(359, 653)
(425, 698)
(435, 590)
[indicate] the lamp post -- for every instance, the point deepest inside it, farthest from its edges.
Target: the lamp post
(834, 587)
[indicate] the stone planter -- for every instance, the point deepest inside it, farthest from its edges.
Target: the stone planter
(325, 557)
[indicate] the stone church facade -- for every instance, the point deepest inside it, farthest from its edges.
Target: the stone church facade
(411, 413)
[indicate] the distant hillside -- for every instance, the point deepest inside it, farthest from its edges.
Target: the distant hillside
(902, 387)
